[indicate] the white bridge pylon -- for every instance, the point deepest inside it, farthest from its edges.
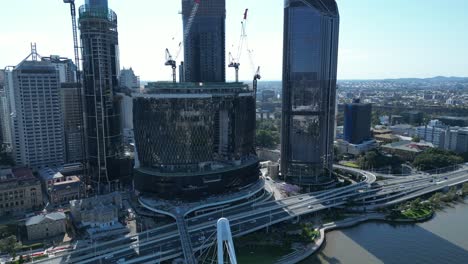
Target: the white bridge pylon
(224, 237)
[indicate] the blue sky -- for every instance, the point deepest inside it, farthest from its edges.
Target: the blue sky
(378, 38)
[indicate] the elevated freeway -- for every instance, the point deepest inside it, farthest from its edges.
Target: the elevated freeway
(164, 243)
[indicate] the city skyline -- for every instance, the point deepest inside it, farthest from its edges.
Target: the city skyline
(365, 50)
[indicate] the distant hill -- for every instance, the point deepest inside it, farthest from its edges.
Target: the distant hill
(437, 78)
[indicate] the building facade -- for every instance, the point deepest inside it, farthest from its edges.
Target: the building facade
(71, 99)
(204, 41)
(128, 79)
(456, 139)
(61, 189)
(194, 140)
(98, 211)
(37, 116)
(357, 122)
(20, 191)
(4, 111)
(100, 53)
(72, 107)
(311, 29)
(46, 226)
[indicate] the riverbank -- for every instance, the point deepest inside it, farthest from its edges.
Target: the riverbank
(312, 248)
(442, 239)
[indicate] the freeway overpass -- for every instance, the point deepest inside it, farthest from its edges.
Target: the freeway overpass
(164, 243)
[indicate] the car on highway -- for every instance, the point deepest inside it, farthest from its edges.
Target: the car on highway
(310, 206)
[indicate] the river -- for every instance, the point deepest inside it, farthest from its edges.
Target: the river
(442, 240)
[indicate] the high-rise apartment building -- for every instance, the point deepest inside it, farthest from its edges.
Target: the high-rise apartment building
(100, 53)
(204, 41)
(37, 121)
(357, 122)
(72, 108)
(311, 30)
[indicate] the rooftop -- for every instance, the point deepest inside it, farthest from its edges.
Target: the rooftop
(194, 88)
(409, 146)
(40, 218)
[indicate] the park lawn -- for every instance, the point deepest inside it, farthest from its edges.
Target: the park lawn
(351, 165)
(261, 254)
(415, 214)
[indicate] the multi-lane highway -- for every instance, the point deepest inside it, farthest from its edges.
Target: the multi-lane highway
(165, 243)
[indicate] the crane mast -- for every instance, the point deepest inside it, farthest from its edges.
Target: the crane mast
(76, 49)
(171, 62)
(234, 62)
(75, 34)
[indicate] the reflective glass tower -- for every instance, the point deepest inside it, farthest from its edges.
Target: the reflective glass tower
(204, 42)
(311, 30)
(99, 38)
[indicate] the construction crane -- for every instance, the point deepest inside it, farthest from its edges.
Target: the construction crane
(75, 35)
(172, 61)
(234, 62)
(76, 49)
(257, 77)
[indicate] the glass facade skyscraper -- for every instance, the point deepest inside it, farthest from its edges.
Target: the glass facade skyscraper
(194, 141)
(311, 29)
(204, 41)
(357, 122)
(100, 53)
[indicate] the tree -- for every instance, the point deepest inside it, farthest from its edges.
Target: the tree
(416, 204)
(416, 139)
(8, 245)
(267, 139)
(436, 200)
(5, 157)
(465, 156)
(465, 188)
(375, 159)
(435, 159)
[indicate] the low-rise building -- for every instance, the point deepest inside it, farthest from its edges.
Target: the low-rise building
(407, 150)
(20, 191)
(46, 226)
(98, 211)
(60, 188)
(99, 215)
(355, 149)
(403, 130)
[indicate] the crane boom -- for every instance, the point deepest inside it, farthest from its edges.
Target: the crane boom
(234, 62)
(75, 32)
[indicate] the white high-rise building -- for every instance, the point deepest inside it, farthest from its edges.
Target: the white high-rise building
(37, 119)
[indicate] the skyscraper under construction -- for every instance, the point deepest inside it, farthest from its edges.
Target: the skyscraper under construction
(99, 38)
(204, 40)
